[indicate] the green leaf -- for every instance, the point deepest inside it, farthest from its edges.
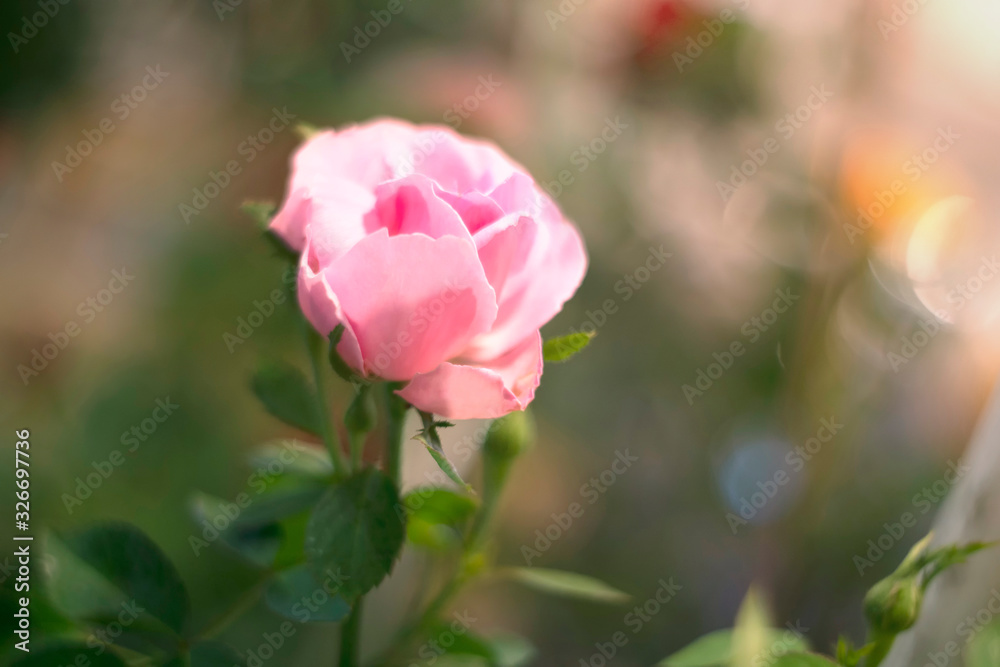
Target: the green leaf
(848, 655)
(430, 439)
(293, 457)
(259, 544)
(803, 660)
(288, 589)
(948, 556)
(985, 648)
(465, 643)
(716, 649)
(512, 651)
(355, 531)
(434, 516)
(287, 395)
(280, 504)
(214, 654)
(439, 506)
(712, 650)
(565, 347)
(69, 653)
(566, 584)
(110, 569)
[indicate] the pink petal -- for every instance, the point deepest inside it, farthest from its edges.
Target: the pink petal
(485, 390)
(546, 274)
(412, 301)
(411, 205)
(459, 164)
(476, 210)
(504, 248)
(323, 310)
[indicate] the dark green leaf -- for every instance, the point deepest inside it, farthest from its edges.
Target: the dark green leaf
(287, 395)
(355, 531)
(565, 347)
(462, 644)
(279, 504)
(258, 543)
(110, 569)
(289, 589)
(566, 584)
(214, 654)
(68, 653)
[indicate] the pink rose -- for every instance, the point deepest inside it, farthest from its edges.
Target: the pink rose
(439, 255)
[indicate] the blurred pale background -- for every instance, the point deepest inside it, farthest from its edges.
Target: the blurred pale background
(822, 176)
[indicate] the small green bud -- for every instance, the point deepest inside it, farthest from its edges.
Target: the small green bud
(510, 436)
(893, 604)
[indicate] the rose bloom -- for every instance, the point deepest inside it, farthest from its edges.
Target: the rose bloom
(439, 255)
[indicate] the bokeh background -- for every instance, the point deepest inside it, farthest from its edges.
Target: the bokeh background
(821, 175)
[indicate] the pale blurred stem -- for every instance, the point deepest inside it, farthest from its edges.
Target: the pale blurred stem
(494, 479)
(350, 636)
(395, 410)
(317, 356)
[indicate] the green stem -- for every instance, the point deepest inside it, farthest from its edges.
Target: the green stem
(317, 357)
(395, 410)
(879, 652)
(350, 636)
